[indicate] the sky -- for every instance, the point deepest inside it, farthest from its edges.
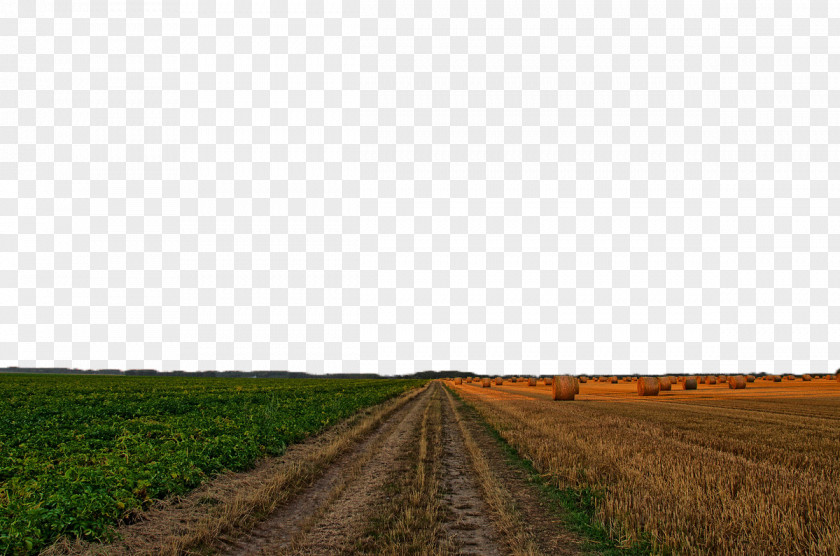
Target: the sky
(610, 187)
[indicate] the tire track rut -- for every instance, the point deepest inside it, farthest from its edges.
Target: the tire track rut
(467, 522)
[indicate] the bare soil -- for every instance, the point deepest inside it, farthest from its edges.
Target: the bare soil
(467, 521)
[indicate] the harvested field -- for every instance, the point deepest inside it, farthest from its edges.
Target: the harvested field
(707, 471)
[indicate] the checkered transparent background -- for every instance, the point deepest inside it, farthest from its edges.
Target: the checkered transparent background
(396, 186)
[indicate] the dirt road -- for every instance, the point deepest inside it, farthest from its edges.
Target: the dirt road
(418, 475)
(430, 479)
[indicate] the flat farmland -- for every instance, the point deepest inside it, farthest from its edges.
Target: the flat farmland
(163, 465)
(80, 454)
(711, 470)
(418, 473)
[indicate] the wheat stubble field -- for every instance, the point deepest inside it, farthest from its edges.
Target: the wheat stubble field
(706, 471)
(497, 466)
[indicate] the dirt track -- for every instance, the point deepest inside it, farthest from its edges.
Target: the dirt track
(414, 476)
(328, 516)
(331, 516)
(418, 475)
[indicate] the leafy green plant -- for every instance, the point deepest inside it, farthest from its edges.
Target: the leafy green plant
(79, 454)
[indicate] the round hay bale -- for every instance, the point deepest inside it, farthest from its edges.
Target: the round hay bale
(532, 382)
(776, 378)
(485, 383)
(613, 380)
(674, 380)
(499, 381)
(458, 381)
(737, 382)
(806, 378)
(721, 379)
(690, 384)
(583, 379)
(664, 383)
(710, 379)
(563, 387)
(548, 381)
(648, 386)
(750, 378)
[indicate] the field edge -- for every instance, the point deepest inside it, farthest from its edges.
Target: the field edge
(574, 507)
(249, 501)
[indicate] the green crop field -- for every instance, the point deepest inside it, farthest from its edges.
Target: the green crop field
(79, 453)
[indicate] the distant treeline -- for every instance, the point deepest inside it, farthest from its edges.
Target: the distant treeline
(264, 374)
(229, 374)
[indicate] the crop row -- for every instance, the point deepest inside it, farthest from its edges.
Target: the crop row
(80, 454)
